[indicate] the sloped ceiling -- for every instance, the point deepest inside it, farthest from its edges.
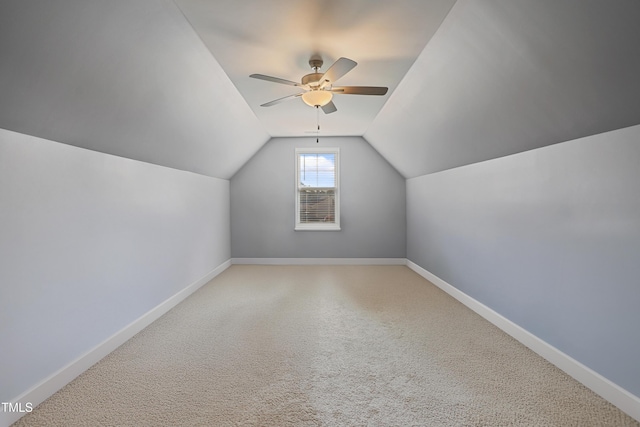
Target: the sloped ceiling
(129, 78)
(167, 82)
(504, 76)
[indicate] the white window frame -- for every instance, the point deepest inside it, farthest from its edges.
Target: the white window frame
(317, 226)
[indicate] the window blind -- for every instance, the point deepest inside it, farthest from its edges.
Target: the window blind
(317, 205)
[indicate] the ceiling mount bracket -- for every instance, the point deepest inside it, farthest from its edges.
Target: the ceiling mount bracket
(316, 63)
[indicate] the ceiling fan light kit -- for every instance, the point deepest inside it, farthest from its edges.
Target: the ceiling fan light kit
(317, 98)
(318, 87)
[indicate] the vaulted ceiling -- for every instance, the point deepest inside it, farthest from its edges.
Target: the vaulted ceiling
(278, 37)
(167, 82)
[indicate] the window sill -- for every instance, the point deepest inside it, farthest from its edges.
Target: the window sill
(317, 227)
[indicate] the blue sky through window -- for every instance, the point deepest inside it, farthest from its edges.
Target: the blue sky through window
(317, 169)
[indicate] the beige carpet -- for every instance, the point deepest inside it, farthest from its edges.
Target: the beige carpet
(323, 346)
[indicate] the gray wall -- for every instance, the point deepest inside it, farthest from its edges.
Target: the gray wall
(548, 238)
(90, 242)
(372, 205)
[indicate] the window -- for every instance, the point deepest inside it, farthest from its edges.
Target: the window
(317, 189)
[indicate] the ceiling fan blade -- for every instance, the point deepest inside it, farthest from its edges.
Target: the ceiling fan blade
(274, 79)
(279, 100)
(360, 90)
(339, 68)
(329, 108)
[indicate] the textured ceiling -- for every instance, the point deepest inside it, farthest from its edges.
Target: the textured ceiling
(167, 82)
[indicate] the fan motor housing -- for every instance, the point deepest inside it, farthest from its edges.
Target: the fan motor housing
(312, 79)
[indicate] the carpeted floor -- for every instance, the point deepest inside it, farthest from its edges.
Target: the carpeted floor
(323, 346)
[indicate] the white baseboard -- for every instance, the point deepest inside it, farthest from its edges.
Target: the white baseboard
(320, 261)
(626, 401)
(47, 387)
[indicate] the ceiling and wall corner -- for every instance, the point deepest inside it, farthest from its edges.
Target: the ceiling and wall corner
(167, 82)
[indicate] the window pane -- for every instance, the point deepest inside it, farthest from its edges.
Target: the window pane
(317, 206)
(317, 170)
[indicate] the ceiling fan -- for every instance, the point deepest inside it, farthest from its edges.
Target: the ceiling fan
(318, 87)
